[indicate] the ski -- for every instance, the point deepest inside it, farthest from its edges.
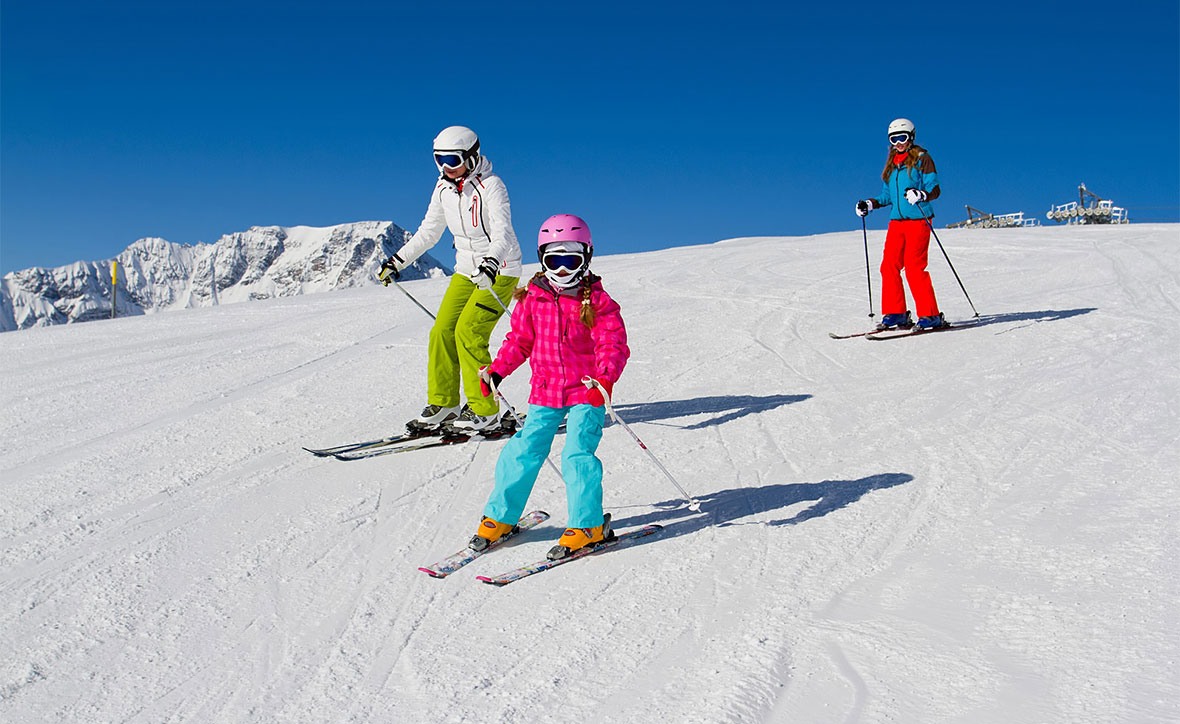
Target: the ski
(367, 444)
(916, 331)
(457, 560)
(833, 335)
(543, 565)
(420, 444)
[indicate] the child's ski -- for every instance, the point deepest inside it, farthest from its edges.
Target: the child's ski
(457, 560)
(516, 574)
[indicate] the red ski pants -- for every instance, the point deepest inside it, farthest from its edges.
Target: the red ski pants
(907, 244)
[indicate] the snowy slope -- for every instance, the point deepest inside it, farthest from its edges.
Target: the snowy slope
(973, 526)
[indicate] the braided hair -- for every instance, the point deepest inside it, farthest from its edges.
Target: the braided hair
(587, 315)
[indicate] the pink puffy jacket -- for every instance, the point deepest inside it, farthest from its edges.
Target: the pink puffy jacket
(561, 350)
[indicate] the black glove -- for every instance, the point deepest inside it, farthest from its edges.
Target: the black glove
(391, 270)
(485, 275)
(863, 208)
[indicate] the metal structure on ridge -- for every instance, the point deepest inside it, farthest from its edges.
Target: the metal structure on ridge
(977, 219)
(1090, 208)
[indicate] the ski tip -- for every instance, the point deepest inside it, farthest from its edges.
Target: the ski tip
(491, 581)
(433, 574)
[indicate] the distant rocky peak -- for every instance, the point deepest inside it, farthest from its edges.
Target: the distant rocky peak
(156, 274)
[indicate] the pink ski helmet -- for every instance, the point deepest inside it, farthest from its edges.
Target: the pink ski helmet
(564, 249)
(564, 227)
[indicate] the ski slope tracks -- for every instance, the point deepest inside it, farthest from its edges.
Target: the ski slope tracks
(972, 526)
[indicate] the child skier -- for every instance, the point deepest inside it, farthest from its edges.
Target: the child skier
(910, 184)
(569, 329)
(472, 203)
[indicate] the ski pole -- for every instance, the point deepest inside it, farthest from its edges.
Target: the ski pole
(519, 424)
(868, 275)
(512, 410)
(499, 395)
(412, 299)
(948, 260)
(693, 504)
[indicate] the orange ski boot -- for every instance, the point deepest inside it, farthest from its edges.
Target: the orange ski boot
(488, 533)
(577, 538)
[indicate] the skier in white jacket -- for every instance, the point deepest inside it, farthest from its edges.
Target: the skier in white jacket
(472, 202)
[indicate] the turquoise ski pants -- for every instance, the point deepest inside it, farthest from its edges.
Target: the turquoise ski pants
(523, 456)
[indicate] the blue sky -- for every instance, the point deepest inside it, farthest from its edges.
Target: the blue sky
(661, 124)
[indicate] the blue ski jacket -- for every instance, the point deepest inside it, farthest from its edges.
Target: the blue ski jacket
(921, 176)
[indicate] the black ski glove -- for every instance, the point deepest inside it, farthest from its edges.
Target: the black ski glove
(391, 270)
(485, 275)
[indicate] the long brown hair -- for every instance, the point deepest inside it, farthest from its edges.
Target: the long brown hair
(587, 313)
(911, 160)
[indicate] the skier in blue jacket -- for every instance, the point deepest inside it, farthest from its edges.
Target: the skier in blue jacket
(909, 184)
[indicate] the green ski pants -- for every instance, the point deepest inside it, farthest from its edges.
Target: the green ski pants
(459, 342)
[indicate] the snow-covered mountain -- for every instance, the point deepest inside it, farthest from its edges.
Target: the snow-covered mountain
(156, 274)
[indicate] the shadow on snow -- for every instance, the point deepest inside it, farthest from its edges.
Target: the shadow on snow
(1045, 315)
(725, 507)
(732, 407)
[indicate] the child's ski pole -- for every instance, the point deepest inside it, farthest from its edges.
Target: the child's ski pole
(693, 504)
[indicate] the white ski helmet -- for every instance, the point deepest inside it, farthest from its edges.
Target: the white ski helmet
(456, 146)
(901, 125)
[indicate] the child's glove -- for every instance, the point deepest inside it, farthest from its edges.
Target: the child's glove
(594, 395)
(489, 381)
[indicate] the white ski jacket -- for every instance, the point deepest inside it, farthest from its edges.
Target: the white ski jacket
(476, 211)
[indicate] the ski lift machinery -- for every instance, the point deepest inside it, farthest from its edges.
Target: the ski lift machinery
(1090, 208)
(977, 219)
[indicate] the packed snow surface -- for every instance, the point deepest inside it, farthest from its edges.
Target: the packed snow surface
(979, 525)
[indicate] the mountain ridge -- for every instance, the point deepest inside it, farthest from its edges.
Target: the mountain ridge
(155, 274)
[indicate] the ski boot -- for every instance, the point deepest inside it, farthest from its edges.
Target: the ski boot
(896, 321)
(927, 324)
(469, 423)
(574, 539)
(488, 533)
(432, 418)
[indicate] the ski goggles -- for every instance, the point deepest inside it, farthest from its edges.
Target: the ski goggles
(898, 139)
(558, 260)
(448, 160)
